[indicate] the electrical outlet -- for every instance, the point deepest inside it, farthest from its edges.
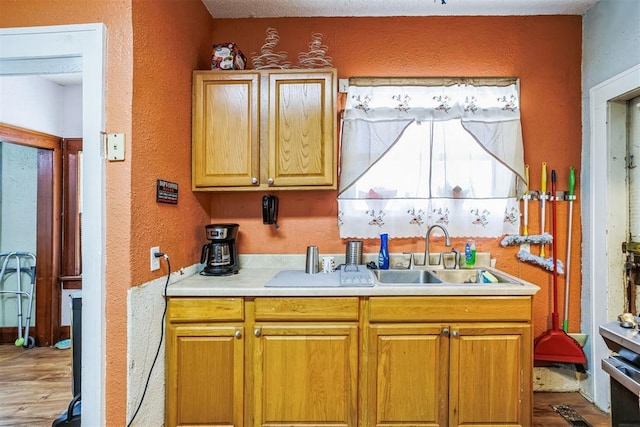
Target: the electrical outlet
(155, 261)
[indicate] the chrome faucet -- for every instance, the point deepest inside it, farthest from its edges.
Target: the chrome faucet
(447, 242)
(411, 260)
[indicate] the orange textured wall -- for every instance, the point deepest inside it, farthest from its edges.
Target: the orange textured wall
(543, 51)
(170, 39)
(152, 48)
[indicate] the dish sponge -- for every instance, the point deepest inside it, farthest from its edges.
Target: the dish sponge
(488, 277)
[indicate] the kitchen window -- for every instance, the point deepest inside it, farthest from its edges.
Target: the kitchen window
(417, 152)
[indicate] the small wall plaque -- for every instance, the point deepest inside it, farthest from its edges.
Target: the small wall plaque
(166, 192)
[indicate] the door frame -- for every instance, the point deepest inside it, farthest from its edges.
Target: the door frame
(602, 258)
(87, 41)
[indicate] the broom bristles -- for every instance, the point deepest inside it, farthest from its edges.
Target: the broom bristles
(536, 239)
(546, 263)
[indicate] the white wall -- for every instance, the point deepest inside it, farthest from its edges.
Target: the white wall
(35, 103)
(71, 126)
(18, 212)
(145, 326)
(610, 46)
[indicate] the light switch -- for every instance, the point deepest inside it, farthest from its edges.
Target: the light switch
(115, 146)
(343, 85)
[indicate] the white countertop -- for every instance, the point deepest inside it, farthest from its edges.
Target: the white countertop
(257, 270)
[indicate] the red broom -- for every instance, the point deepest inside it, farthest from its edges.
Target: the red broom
(555, 345)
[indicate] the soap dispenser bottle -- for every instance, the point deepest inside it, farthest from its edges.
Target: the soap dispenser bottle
(383, 256)
(470, 254)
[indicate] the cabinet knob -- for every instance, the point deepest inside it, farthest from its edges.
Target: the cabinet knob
(238, 334)
(270, 181)
(254, 180)
(456, 334)
(445, 332)
(256, 332)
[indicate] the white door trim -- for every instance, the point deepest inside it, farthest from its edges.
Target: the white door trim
(600, 210)
(87, 41)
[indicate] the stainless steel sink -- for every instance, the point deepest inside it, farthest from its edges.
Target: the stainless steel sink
(473, 275)
(406, 277)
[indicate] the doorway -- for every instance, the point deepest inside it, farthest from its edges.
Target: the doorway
(29, 209)
(68, 42)
(606, 224)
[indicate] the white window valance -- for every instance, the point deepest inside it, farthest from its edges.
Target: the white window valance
(442, 114)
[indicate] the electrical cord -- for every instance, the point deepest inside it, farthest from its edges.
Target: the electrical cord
(164, 313)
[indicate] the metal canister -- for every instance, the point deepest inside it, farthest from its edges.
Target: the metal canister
(353, 253)
(311, 265)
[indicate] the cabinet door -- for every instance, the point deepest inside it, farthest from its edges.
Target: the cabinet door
(225, 139)
(204, 375)
(407, 375)
(491, 375)
(306, 374)
(301, 135)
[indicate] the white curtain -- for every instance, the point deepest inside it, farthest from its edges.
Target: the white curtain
(416, 154)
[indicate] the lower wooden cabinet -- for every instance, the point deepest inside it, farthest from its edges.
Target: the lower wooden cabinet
(305, 361)
(426, 368)
(407, 374)
(439, 375)
(490, 375)
(204, 362)
(306, 374)
(368, 361)
(205, 375)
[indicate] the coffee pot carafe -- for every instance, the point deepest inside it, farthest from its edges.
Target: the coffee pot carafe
(219, 256)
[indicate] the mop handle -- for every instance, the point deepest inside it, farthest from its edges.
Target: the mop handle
(554, 316)
(543, 197)
(572, 180)
(567, 274)
(525, 227)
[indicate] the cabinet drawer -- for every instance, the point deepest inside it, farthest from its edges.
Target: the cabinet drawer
(306, 308)
(468, 309)
(195, 310)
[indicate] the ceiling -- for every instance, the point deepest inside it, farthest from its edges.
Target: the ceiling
(329, 8)
(302, 8)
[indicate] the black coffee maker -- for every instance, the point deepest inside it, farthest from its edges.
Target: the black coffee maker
(220, 257)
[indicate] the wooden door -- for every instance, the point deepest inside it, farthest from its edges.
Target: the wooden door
(225, 139)
(306, 374)
(407, 375)
(70, 245)
(47, 293)
(205, 375)
(491, 375)
(301, 140)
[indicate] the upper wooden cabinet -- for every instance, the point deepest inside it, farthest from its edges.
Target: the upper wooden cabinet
(264, 130)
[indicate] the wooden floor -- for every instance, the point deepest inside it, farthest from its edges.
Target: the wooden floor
(545, 415)
(35, 388)
(35, 385)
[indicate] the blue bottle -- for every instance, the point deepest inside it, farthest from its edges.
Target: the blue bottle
(383, 256)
